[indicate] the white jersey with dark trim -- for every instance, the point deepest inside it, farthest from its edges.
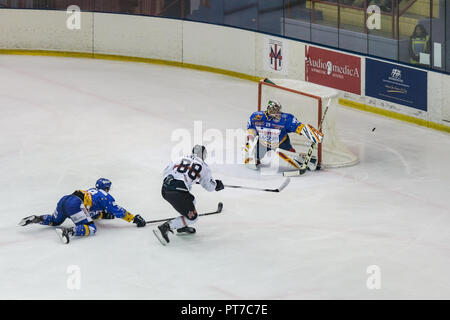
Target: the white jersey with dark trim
(190, 170)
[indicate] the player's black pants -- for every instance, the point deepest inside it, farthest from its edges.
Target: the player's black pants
(182, 201)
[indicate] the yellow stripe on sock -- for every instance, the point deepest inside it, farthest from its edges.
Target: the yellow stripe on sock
(86, 231)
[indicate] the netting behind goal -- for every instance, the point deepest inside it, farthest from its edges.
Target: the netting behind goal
(307, 102)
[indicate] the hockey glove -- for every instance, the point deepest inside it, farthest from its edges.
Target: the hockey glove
(219, 185)
(314, 135)
(140, 222)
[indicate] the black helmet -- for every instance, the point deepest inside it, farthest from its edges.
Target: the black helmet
(199, 151)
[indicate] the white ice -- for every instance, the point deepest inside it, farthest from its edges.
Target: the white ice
(66, 122)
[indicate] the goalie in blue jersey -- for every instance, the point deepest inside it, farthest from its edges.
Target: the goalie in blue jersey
(269, 130)
(83, 207)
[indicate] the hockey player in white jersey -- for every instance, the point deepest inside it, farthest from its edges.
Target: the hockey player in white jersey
(178, 178)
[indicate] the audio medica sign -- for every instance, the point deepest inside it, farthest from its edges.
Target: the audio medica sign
(333, 69)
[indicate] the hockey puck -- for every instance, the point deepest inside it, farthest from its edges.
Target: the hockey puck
(373, 129)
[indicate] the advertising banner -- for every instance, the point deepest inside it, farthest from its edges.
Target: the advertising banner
(398, 84)
(333, 69)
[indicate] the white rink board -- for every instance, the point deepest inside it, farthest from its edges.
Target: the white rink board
(295, 55)
(138, 36)
(44, 30)
(196, 43)
(219, 47)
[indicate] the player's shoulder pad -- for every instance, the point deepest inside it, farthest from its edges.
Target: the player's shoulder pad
(205, 165)
(202, 162)
(104, 196)
(110, 197)
(290, 118)
(257, 115)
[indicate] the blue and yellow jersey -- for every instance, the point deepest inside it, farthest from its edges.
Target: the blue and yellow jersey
(104, 202)
(273, 132)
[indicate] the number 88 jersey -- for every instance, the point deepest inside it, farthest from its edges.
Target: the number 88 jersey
(190, 170)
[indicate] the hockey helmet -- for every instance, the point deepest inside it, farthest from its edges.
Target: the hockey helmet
(274, 109)
(199, 151)
(103, 184)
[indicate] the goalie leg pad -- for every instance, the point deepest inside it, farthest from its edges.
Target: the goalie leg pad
(293, 158)
(297, 160)
(289, 160)
(252, 163)
(251, 160)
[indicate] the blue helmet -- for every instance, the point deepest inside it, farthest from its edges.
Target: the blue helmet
(103, 184)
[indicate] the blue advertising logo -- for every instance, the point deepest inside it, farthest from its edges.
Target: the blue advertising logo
(398, 84)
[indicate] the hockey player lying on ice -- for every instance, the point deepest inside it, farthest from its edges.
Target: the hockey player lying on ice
(268, 130)
(82, 207)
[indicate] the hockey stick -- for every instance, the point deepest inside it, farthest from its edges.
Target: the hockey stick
(308, 156)
(281, 187)
(219, 210)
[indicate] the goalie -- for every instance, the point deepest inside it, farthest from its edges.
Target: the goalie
(268, 130)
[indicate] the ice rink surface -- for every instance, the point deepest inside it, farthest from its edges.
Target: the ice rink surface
(66, 122)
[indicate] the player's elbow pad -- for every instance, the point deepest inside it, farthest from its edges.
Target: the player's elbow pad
(128, 217)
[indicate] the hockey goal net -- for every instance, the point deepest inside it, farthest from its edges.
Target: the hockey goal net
(307, 102)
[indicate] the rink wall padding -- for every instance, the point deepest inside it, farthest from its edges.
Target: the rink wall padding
(44, 30)
(138, 36)
(225, 50)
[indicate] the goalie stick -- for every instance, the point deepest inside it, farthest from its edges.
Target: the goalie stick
(281, 187)
(308, 156)
(219, 210)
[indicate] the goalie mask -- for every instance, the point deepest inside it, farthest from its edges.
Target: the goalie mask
(274, 110)
(199, 151)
